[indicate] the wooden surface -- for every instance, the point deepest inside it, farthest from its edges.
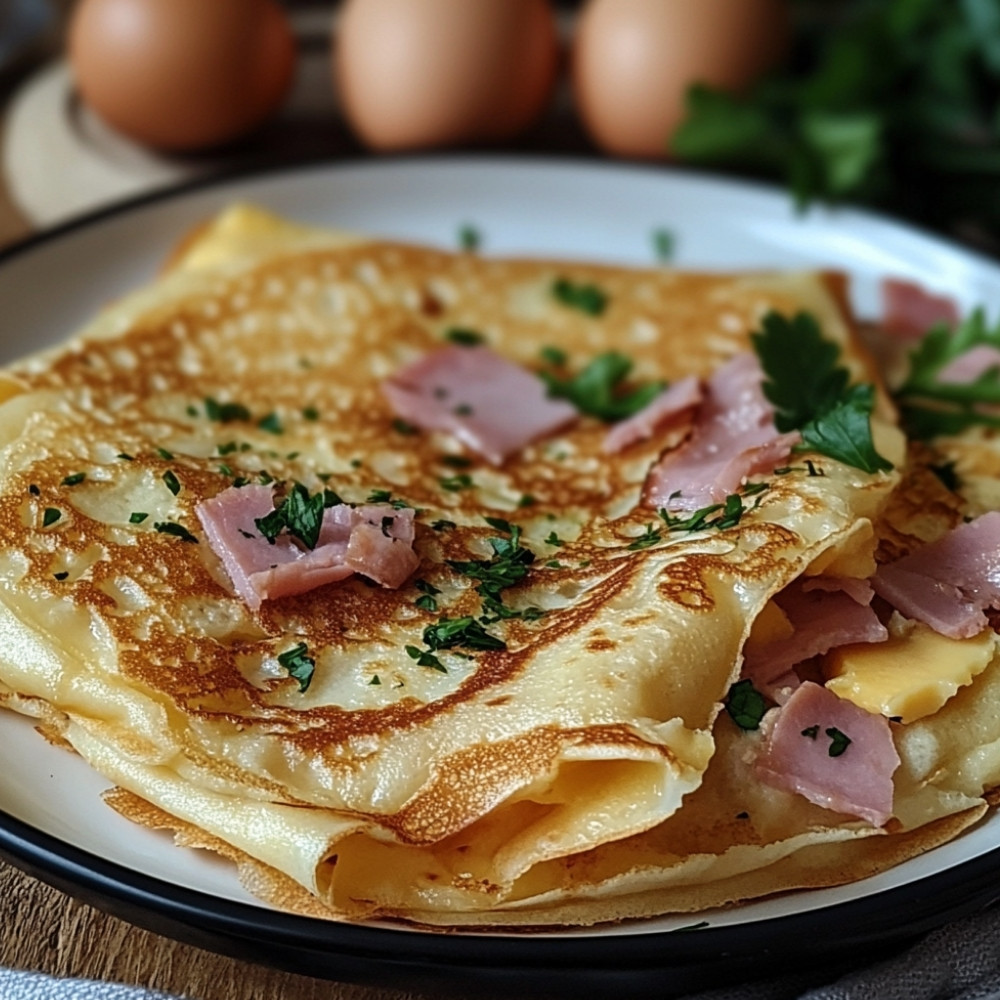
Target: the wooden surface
(44, 930)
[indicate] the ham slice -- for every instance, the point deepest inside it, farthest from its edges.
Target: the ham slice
(734, 437)
(799, 737)
(825, 613)
(490, 404)
(374, 540)
(971, 365)
(950, 582)
(669, 404)
(909, 311)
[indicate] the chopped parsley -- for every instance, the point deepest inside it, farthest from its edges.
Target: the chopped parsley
(810, 391)
(443, 525)
(125, 456)
(664, 245)
(930, 406)
(137, 517)
(463, 410)
(375, 680)
(310, 413)
(811, 732)
(554, 539)
(167, 456)
(379, 496)
(299, 665)
(651, 537)
(599, 389)
(554, 356)
(464, 337)
(746, 705)
(526, 500)
(225, 413)
(426, 602)
(456, 483)
(508, 567)
(173, 483)
(425, 659)
(175, 529)
(50, 516)
(300, 514)
(74, 479)
(839, 741)
(585, 296)
(61, 575)
(456, 461)
(469, 238)
(271, 423)
(34, 490)
(718, 516)
(400, 426)
(465, 632)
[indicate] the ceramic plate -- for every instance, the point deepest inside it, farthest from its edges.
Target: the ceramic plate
(54, 824)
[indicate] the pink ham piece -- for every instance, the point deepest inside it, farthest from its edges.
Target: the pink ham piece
(909, 311)
(734, 437)
(490, 404)
(971, 365)
(375, 540)
(858, 781)
(669, 404)
(825, 614)
(948, 583)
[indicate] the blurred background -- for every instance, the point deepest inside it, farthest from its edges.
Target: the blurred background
(893, 104)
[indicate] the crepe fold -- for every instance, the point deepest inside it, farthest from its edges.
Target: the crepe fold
(583, 772)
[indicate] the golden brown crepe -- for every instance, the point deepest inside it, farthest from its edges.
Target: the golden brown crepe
(567, 779)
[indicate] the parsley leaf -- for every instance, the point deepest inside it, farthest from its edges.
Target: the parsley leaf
(509, 566)
(931, 407)
(50, 516)
(225, 412)
(463, 337)
(299, 664)
(585, 296)
(271, 423)
(716, 515)
(425, 659)
(839, 741)
(299, 513)
(810, 391)
(598, 389)
(844, 431)
(465, 632)
(175, 529)
(75, 479)
(745, 705)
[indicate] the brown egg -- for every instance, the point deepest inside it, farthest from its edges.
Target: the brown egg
(633, 61)
(420, 73)
(182, 74)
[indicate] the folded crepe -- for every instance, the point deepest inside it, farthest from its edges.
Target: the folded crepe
(521, 726)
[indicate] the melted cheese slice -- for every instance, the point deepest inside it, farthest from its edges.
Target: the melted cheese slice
(910, 675)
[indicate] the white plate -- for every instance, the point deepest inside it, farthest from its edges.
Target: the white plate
(51, 285)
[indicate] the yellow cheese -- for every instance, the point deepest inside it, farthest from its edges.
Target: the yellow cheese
(770, 625)
(910, 675)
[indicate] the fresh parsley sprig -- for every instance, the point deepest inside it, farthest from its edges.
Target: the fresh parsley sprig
(600, 389)
(931, 407)
(810, 391)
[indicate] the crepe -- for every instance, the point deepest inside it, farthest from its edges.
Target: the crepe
(555, 781)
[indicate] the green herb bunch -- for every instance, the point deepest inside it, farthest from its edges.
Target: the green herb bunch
(895, 103)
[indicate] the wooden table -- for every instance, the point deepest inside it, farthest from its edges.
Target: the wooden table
(44, 930)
